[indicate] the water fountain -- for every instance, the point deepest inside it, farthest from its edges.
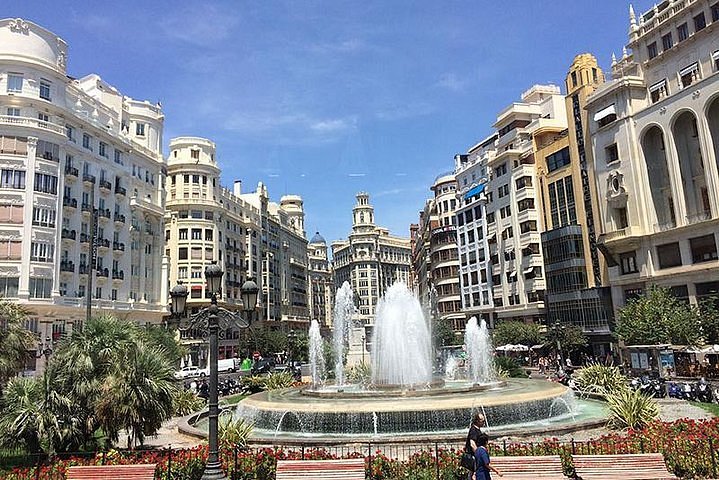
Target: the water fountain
(317, 358)
(403, 400)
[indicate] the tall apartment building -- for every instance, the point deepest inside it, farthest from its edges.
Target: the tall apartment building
(321, 285)
(371, 259)
(205, 222)
(512, 211)
(573, 266)
(655, 138)
(70, 148)
(280, 260)
(473, 242)
(435, 261)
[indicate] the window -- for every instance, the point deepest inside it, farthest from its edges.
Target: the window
(628, 263)
(182, 253)
(48, 150)
(501, 170)
(13, 112)
(700, 22)
(43, 217)
(12, 179)
(611, 153)
(669, 255)
(183, 234)
(715, 12)
(45, 89)
(505, 212)
(621, 218)
(503, 191)
(197, 234)
(507, 233)
(490, 217)
(558, 159)
(561, 202)
(140, 129)
(45, 183)
(42, 252)
(528, 226)
(703, 248)
(208, 234)
(118, 157)
(652, 50)
(102, 149)
(658, 90)
(715, 59)
(14, 83)
(689, 75)
(667, 41)
(86, 141)
(523, 182)
(195, 154)
(525, 204)
(40, 287)
(574, 79)
(196, 214)
(182, 272)
(683, 32)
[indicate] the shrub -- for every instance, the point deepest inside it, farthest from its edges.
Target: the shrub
(360, 373)
(600, 379)
(184, 402)
(510, 366)
(233, 431)
(631, 409)
(279, 380)
(254, 384)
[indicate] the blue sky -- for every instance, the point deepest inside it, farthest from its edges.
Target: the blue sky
(327, 98)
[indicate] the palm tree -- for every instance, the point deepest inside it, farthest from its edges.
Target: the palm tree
(137, 395)
(15, 339)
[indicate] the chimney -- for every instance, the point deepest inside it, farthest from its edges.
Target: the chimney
(237, 188)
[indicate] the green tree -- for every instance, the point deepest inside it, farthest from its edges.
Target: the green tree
(512, 332)
(443, 334)
(137, 395)
(570, 337)
(659, 317)
(167, 339)
(15, 339)
(709, 309)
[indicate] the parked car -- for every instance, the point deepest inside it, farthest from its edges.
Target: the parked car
(264, 365)
(188, 372)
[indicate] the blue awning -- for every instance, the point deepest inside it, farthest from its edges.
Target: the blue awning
(474, 191)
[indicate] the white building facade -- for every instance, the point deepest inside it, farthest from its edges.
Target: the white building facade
(655, 138)
(67, 148)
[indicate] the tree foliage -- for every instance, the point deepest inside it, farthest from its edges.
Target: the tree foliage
(512, 332)
(15, 339)
(658, 317)
(709, 309)
(443, 334)
(108, 376)
(570, 337)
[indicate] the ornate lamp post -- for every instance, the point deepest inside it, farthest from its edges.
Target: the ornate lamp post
(291, 338)
(213, 315)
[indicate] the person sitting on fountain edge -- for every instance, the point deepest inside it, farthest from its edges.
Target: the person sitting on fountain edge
(481, 457)
(475, 431)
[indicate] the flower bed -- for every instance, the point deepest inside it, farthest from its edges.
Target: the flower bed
(687, 446)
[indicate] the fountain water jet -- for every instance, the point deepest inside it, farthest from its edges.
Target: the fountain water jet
(342, 325)
(402, 348)
(479, 352)
(317, 358)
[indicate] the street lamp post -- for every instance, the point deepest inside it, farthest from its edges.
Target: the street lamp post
(291, 337)
(213, 314)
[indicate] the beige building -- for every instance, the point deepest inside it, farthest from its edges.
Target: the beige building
(371, 259)
(513, 210)
(69, 147)
(321, 285)
(435, 261)
(574, 270)
(655, 138)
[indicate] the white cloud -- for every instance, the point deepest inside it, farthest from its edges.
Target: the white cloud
(452, 81)
(199, 24)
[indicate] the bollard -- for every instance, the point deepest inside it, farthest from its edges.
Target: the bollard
(436, 458)
(504, 447)
(574, 448)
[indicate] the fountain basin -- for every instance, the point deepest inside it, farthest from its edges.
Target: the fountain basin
(519, 404)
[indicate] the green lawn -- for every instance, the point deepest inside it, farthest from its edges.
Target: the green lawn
(232, 399)
(712, 408)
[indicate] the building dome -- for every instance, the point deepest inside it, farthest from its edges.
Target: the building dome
(318, 238)
(31, 43)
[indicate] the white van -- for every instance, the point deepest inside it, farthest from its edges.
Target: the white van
(226, 365)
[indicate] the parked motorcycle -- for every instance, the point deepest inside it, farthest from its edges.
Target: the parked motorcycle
(704, 392)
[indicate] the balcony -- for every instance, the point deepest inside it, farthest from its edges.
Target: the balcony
(86, 208)
(105, 185)
(68, 234)
(67, 266)
(33, 123)
(69, 202)
(103, 243)
(104, 213)
(84, 238)
(71, 172)
(83, 269)
(87, 178)
(118, 246)
(120, 191)
(118, 275)
(103, 272)
(119, 218)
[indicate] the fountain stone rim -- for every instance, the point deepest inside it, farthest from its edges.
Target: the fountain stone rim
(391, 391)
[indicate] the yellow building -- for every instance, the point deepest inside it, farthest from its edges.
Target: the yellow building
(574, 268)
